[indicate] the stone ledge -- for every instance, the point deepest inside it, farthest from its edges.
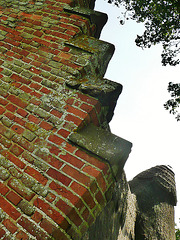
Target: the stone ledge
(95, 17)
(103, 144)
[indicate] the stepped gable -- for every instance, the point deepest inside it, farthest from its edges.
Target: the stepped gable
(52, 185)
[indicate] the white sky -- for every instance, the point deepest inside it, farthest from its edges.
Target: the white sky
(140, 116)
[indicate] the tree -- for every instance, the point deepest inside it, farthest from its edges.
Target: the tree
(173, 104)
(177, 234)
(161, 19)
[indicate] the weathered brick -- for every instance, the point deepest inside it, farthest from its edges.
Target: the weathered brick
(26, 207)
(13, 159)
(32, 228)
(30, 136)
(4, 174)
(37, 175)
(16, 150)
(55, 162)
(17, 101)
(18, 186)
(19, 121)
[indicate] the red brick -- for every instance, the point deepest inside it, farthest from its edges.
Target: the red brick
(14, 198)
(32, 228)
(59, 176)
(36, 94)
(11, 107)
(75, 111)
(34, 119)
(37, 79)
(10, 226)
(5, 142)
(46, 126)
(21, 235)
(35, 101)
(9, 115)
(63, 207)
(19, 121)
(97, 163)
(16, 150)
(26, 89)
(100, 199)
(20, 79)
(64, 133)
(16, 84)
(35, 70)
(50, 197)
(38, 33)
(22, 112)
(55, 139)
(87, 99)
(62, 191)
(88, 199)
(55, 162)
(9, 209)
(72, 160)
(37, 175)
(24, 143)
(47, 226)
(3, 102)
(36, 64)
(52, 213)
(98, 175)
(68, 147)
(13, 159)
(37, 217)
(3, 189)
(17, 129)
(45, 90)
(94, 117)
(74, 119)
(79, 176)
(21, 189)
(2, 233)
(77, 188)
(86, 215)
(53, 149)
(35, 86)
(56, 113)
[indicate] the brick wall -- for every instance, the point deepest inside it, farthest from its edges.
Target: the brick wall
(52, 86)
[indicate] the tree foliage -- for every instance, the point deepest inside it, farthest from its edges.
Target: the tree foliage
(162, 25)
(177, 234)
(174, 103)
